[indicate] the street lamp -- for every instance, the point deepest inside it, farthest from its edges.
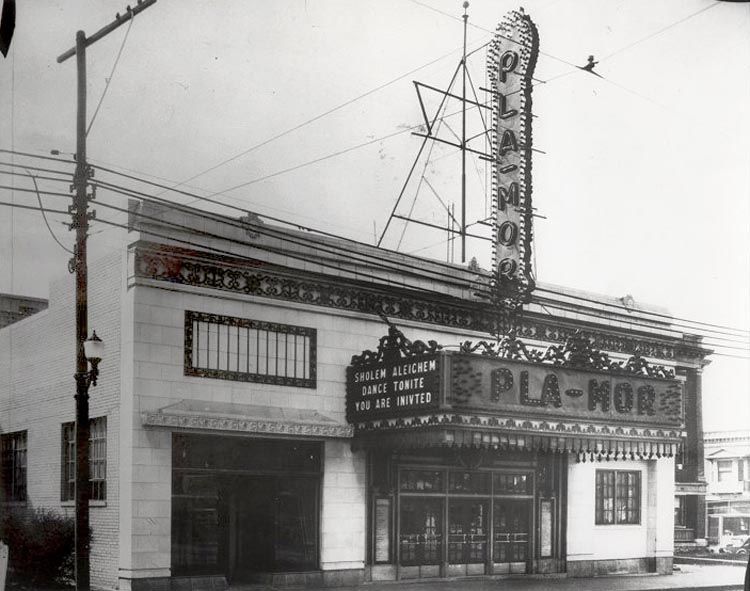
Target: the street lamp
(93, 348)
(90, 352)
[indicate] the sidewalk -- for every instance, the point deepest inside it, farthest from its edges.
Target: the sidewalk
(690, 576)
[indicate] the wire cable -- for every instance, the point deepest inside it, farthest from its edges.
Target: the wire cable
(418, 260)
(316, 118)
(112, 72)
(33, 208)
(44, 216)
(659, 32)
(625, 313)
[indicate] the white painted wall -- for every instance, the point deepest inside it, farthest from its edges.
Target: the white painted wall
(653, 537)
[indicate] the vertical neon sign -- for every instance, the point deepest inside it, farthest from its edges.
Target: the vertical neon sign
(510, 63)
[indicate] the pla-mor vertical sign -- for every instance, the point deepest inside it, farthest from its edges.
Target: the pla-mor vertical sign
(383, 389)
(510, 65)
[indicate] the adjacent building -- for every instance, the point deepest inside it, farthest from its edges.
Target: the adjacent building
(284, 407)
(728, 474)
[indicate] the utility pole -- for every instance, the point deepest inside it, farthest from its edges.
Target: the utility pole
(80, 223)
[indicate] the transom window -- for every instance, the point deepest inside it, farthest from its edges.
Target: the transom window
(618, 497)
(230, 348)
(13, 478)
(97, 460)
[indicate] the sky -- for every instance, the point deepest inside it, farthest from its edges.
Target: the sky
(641, 179)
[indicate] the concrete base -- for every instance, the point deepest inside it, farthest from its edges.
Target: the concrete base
(205, 583)
(620, 566)
(313, 579)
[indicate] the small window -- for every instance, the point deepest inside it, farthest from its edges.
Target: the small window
(429, 481)
(97, 460)
(14, 449)
(618, 497)
(229, 348)
(724, 472)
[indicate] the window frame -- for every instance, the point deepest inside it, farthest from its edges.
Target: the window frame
(14, 460)
(728, 473)
(97, 460)
(621, 491)
(309, 360)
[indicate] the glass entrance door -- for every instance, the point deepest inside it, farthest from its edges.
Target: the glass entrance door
(468, 526)
(421, 539)
(511, 524)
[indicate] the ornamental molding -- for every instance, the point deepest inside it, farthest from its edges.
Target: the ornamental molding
(522, 425)
(256, 278)
(244, 425)
(577, 352)
(393, 347)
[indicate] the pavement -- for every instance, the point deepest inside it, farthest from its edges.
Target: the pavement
(709, 577)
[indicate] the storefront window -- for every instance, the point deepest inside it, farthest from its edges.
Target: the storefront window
(469, 482)
(244, 506)
(422, 480)
(512, 483)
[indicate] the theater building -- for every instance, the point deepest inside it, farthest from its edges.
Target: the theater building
(298, 412)
(284, 407)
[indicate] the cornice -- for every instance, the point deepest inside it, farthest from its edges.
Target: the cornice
(180, 266)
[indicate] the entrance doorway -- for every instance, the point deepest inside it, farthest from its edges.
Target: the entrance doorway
(244, 508)
(457, 522)
(272, 525)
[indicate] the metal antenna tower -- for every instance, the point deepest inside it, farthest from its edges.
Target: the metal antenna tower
(432, 125)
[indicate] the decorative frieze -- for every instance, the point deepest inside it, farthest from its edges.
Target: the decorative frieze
(256, 278)
(245, 425)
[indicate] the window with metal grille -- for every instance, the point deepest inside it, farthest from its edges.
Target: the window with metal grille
(97, 460)
(230, 348)
(618, 497)
(14, 449)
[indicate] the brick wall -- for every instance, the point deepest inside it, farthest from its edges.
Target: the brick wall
(37, 388)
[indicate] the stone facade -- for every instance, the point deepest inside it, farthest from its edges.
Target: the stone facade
(138, 303)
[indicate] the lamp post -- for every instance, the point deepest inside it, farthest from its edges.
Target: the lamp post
(93, 350)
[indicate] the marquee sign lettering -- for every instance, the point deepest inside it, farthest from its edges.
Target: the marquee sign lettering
(511, 61)
(451, 381)
(393, 388)
(502, 386)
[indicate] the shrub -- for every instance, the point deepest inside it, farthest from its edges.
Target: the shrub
(41, 544)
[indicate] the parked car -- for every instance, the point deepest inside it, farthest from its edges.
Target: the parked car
(730, 544)
(741, 550)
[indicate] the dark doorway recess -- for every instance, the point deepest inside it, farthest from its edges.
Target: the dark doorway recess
(244, 508)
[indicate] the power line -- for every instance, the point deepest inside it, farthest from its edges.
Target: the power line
(44, 216)
(625, 310)
(660, 31)
(313, 119)
(111, 74)
(491, 32)
(30, 155)
(650, 313)
(338, 251)
(625, 313)
(33, 208)
(384, 264)
(12, 188)
(673, 320)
